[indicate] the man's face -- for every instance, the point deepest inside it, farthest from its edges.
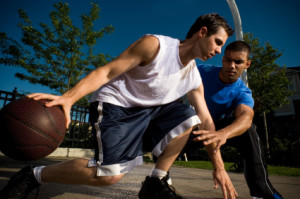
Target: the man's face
(212, 45)
(234, 63)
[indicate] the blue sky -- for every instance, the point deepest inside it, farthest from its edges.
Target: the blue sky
(274, 21)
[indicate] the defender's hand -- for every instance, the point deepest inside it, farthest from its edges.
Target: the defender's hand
(208, 137)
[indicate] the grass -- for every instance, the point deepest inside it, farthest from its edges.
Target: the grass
(272, 170)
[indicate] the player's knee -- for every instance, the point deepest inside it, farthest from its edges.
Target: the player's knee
(108, 180)
(114, 179)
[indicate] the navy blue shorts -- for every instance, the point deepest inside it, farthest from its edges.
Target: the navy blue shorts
(119, 132)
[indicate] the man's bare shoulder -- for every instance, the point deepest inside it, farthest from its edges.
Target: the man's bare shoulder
(148, 47)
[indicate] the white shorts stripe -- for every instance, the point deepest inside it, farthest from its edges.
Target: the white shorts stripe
(115, 169)
(181, 128)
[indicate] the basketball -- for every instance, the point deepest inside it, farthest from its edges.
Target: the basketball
(29, 130)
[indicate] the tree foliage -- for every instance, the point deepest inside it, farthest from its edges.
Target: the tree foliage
(266, 79)
(56, 55)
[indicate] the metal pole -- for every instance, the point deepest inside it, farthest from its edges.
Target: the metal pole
(238, 30)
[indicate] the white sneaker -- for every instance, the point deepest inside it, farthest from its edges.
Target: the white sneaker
(256, 198)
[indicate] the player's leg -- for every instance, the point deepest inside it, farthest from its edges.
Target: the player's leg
(173, 149)
(255, 166)
(168, 134)
(76, 171)
(156, 185)
(68, 172)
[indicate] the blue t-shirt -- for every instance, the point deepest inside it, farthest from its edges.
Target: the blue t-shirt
(221, 98)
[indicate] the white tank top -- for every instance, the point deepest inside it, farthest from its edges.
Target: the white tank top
(162, 81)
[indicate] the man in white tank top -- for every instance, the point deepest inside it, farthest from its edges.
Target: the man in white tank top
(135, 94)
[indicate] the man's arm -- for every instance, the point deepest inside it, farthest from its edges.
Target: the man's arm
(196, 99)
(243, 120)
(141, 52)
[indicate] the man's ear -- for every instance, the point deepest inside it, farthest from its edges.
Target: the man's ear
(202, 32)
(248, 63)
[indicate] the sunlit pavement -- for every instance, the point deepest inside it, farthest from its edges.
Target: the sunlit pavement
(190, 183)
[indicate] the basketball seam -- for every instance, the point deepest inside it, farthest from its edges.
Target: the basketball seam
(50, 118)
(29, 125)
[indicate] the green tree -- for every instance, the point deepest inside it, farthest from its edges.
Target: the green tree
(59, 55)
(266, 78)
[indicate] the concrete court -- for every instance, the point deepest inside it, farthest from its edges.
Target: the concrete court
(190, 183)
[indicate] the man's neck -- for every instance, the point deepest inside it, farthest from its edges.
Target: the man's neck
(186, 52)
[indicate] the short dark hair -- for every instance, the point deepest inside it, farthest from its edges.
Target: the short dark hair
(212, 22)
(239, 46)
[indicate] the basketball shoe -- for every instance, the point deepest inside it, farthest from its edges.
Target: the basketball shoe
(20, 185)
(154, 188)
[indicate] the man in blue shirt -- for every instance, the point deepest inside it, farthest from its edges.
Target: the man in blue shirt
(230, 104)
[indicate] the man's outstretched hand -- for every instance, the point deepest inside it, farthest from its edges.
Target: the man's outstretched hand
(209, 137)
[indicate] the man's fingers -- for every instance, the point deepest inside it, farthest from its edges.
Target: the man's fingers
(225, 183)
(215, 183)
(38, 96)
(202, 137)
(35, 96)
(235, 194)
(232, 192)
(32, 95)
(209, 141)
(201, 132)
(52, 103)
(224, 190)
(68, 121)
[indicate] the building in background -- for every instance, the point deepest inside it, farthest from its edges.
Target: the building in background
(287, 118)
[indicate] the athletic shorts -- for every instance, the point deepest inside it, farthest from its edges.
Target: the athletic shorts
(119, 132)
